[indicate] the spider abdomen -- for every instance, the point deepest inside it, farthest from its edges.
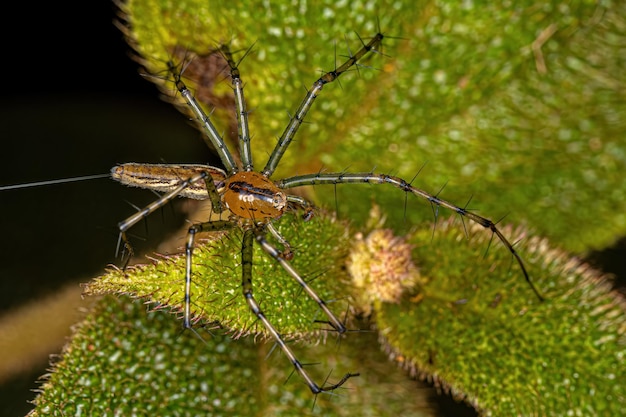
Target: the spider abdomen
(166, 178)
(251, 195)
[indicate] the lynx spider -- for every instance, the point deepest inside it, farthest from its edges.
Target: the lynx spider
(254, 200)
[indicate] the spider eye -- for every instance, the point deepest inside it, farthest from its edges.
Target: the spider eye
(279, 201)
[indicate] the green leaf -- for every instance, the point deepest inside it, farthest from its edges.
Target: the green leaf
(520, 106)
(492, 343)
(219, 298)
(489, 341)
(126, 361)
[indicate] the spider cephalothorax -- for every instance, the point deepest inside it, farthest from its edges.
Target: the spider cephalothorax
(250, 195)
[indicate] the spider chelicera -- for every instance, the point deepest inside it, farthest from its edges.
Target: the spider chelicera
(251, 200)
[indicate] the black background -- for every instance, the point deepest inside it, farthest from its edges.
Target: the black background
(73, 103)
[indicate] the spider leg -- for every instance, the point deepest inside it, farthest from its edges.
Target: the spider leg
(242, 114)
(212, 138)
(214, 226)
(303, 204)
(372, 178)
(246, 256)
(166, 178)
(126, 224)
(214, 197)
(305, 106)
(334, 322)
(287, 253)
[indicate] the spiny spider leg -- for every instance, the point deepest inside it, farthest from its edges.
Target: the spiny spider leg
(296, 120)
(277, 255)
(371, 178)
(287, 253)
(213, 139)
(242, 114)
(167, 178)
(214, 226)
(149, 209)
(246, 256)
